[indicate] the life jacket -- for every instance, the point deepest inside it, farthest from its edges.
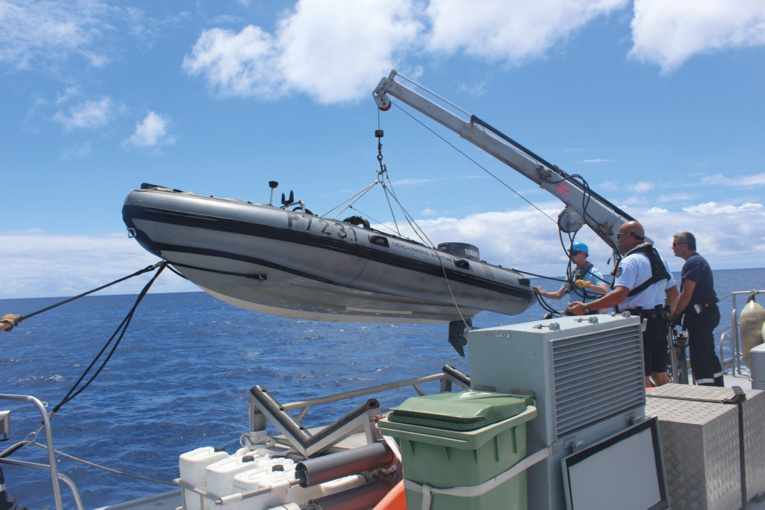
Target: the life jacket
(581, 272)
(658, 269)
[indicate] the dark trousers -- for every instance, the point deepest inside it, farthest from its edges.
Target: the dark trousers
(706, 366)
(655, 343)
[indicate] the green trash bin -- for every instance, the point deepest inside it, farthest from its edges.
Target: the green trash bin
(462, 439)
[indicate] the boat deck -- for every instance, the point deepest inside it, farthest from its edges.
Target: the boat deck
(173, 499)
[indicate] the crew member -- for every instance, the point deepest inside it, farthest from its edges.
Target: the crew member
(588, 281)
(643, 283)
(7, 502)
(698, 305)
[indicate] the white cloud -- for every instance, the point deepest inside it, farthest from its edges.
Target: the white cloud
(77, 151)
(328, 49)
(745, 181)
(674, 197)
(87, 115)
(635, 187)
(509, 31)
(242, 64)
(713, 208)
(334, 50)
(45, 264)
(669, 32)
(52, 31)
(152, 131)
(642, 186)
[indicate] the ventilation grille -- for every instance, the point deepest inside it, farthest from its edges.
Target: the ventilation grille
(596, 376)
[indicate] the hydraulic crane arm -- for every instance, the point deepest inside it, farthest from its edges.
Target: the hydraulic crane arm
(583, 206)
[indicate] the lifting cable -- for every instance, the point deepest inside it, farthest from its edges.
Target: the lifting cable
(577, 179)
(503, 183)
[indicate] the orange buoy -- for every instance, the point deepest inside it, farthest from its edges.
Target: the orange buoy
(394, 500)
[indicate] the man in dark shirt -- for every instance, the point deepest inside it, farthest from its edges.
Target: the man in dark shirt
(698, 303)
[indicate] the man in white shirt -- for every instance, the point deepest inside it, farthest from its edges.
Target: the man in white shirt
(643, 285)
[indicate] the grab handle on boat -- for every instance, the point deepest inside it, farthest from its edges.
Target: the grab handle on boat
(379, 241)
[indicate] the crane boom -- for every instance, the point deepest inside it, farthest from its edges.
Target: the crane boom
(583, 206)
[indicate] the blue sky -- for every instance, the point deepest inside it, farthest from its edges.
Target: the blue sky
(658, 104)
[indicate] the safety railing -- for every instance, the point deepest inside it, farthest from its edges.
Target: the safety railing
(51, 466)
(447, 378)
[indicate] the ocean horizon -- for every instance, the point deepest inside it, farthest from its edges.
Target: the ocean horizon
(180, 377)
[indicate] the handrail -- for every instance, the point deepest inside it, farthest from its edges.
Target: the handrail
(307, 404)
(733, 361)
(45, 467)
(52, 467)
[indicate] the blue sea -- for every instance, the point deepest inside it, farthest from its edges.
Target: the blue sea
(181, 376)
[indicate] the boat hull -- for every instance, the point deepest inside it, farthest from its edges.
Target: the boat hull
(294, 264)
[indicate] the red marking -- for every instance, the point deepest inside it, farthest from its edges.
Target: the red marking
(563, 189)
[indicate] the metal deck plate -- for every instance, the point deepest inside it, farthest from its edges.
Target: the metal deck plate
(700, 446)
(753, 412)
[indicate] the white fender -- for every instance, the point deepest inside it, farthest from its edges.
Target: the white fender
(752, 322)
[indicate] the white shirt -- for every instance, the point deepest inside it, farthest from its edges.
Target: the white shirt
(636, 269)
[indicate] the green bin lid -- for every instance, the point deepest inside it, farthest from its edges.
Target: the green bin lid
(466, 410)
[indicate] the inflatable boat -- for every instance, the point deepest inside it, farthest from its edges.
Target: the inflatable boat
(291, 263)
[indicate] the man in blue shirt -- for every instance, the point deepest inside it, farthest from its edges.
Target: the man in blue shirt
(698, 304)
(588, 282)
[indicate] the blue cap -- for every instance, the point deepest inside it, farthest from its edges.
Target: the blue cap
(580, 247)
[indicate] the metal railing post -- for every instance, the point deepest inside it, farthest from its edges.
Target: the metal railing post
(49, 440)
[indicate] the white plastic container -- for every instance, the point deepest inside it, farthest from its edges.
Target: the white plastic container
(192, 466)
(280, 490)
(220, 475)
(275, 474)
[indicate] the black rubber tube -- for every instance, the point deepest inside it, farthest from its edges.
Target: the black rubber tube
(318, 470)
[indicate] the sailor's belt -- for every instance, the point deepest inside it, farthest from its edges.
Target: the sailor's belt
(656, 312)
(697, 308)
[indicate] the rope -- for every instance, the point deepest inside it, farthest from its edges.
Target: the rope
(138, 477)
(121, 330)
(352, 199)
(31, 437)
(137, 273)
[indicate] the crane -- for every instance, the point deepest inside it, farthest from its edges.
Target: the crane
(582, 205)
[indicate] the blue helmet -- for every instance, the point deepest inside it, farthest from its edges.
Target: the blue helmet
(580, 247)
